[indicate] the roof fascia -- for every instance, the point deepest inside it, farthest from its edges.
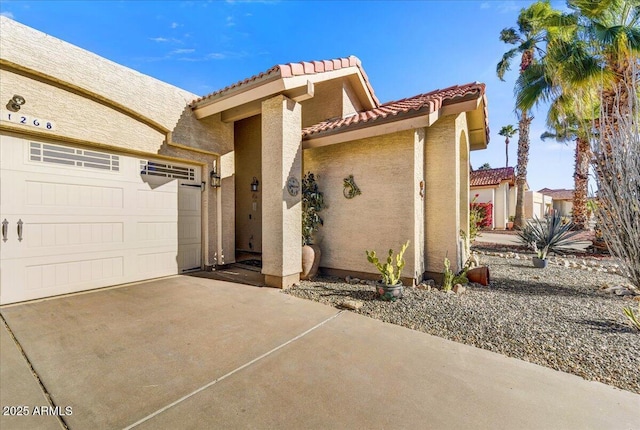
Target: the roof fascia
(363, 132)
(272, 85)
(401, 122)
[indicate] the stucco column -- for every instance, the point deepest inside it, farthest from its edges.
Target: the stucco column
(442, 196)
(281, 211)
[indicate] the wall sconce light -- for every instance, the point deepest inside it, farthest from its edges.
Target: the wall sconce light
(15, 103)
(254, 184)
(214, 176)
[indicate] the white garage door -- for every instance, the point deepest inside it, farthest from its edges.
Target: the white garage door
(76, 219)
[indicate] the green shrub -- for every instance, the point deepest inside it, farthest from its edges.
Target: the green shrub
(312, 203)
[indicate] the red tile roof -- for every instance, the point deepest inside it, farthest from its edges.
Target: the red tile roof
(422, 104)
(289, 70)
(481, 178)
(558, 194)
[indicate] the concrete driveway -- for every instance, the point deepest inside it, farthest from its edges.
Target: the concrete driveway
(187, 352)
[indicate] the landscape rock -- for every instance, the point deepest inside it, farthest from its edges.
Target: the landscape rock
(351, 304)
(459, 289)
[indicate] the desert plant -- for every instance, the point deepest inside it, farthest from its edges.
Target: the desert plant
(390, 272)
(312, 203)
(633, 318)
(617, 165)
(450, 279)
(547, 235)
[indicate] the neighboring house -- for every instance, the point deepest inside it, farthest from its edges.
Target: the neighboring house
(562, 200)
(537, 205)
(109, 176)
(497, 186)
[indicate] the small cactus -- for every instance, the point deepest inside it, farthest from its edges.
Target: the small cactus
(390, 273)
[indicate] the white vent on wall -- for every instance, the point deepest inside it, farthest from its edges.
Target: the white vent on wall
(153, 168)
(68, 156)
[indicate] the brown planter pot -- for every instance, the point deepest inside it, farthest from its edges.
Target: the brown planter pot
(510, 225)
(479, 275)
(310, 261)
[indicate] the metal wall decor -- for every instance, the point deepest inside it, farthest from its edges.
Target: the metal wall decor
(293, 186)
(350, 188)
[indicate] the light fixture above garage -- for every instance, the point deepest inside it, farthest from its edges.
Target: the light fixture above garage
(214, 176)
(254, 184)
(15, 103)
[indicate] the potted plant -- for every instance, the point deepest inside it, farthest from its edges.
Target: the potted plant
(540, 261)
(547, 235)
(312, 203)
(390, 287)
(512, 219)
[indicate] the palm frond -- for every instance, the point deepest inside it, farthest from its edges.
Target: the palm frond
(505, 64)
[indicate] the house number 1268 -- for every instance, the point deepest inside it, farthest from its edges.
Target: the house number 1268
(18, 118)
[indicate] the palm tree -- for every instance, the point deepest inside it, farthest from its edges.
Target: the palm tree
(611, 28)
(527, 37)
(507, 132)
(567, 126)
(592, 50)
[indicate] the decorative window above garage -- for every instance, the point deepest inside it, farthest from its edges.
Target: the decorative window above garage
(164, 170)
(69, 156)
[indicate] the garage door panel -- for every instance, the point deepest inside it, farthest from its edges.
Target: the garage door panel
(85, 228)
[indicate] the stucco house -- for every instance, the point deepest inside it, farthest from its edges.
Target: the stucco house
(109, 176)
(537, 205)
(497, 186)
(562, 200)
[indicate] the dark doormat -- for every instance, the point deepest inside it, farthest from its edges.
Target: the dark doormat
(236, 272)
(251, 263)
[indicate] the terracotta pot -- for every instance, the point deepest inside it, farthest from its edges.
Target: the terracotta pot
(310, 261)
(510, 225)
(539, 262)
(479, 275)
(390, 293)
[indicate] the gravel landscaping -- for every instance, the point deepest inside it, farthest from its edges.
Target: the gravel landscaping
(559, 317)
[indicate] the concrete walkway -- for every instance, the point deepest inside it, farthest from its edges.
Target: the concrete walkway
(189, 352)
(512, 239)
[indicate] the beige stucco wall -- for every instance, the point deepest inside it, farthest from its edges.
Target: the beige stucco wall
(332, 99)
(35, 50)
(281, 211)
(248, 142)
(350, 102)
(383, 216)
(326, 103)
(78, 117)
(443, 208)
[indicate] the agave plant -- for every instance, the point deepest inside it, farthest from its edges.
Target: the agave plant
(547, 235)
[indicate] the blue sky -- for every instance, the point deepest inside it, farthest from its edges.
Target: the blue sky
(406, 48)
